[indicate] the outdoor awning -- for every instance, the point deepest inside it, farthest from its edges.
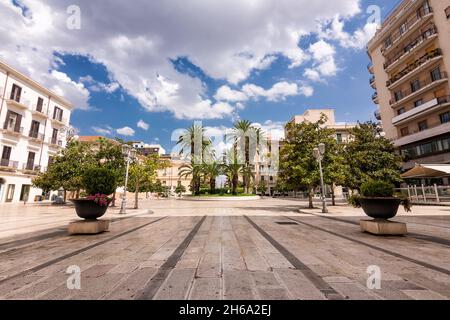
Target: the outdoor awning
(428, 171)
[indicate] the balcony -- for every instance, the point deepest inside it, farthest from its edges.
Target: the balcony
(12, 130)
(37, 137)
(422, 135)
(422, 87)
(372, 82)
(419, 42)
(38, 111)
(426, 60)
(375, 98)
(31, 168)
(8, 165)
(17, 102)
(60, 121)
(370, 68)
(377, 115)
(423, 15)
(427, 107)
(54, 142)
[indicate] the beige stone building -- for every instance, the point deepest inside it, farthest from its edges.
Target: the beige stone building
(170, 177)
(410, 63)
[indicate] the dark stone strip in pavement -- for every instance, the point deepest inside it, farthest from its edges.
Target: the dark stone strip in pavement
(392, 253)
(152, 287)
(315, 279)
(424, 237)
(74, 253)
(44, 236)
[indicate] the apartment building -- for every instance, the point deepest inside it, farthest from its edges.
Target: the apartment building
(34, 123)
(343, 130)
(410, 63)
(146, 149)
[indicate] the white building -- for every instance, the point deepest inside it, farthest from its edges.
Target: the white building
(34, 123)
(148, 149)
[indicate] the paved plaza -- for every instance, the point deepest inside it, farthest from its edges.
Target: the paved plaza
(263, 249)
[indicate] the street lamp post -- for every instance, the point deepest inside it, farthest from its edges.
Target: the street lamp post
(129, 153)
(319, 153)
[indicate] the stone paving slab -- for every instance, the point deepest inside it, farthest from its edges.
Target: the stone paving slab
(229, 258)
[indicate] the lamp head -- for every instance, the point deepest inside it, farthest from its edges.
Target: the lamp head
(322, 148)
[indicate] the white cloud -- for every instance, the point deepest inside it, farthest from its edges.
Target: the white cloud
(227, 40)
(324, 64)
(126, 132)
(334, 30)
(107, 131)
(143, 125)
(225, 93)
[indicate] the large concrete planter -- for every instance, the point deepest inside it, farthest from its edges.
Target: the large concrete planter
(380, 208)
(88, 209)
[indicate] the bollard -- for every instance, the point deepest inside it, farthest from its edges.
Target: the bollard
(437, 193)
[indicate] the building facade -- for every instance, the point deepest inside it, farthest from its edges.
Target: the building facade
(34, 124)
(146, 149)
(170, 176)
(410, 63)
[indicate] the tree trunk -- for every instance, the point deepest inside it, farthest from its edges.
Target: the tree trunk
(113, 202)
(212, 185)
(310, 198)
(333, 197)
(65, 196)
(234, 185)
(136, 197)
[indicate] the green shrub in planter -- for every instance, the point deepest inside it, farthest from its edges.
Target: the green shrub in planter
(98, 180)
(377, 189)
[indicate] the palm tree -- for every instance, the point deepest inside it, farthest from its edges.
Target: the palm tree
(233, 169)
(247, 175)
(211, 172)
(192, 170)
(188, 140)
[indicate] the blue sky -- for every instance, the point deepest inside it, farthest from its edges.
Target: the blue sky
(105, 79)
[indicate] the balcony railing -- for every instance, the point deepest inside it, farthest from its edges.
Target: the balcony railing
(35, 109)
(31, 167)
(19, 101)
(422, 84)
(55, 142)
(375, 96)
(37, 136)
(370, 67)
(395, 37)
(411, 46)
(6, 163)
(12, 129)
(377, 115)
(372, 80)
(426, 106)
(414, 66)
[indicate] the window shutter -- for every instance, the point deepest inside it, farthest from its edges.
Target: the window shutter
(18, 123)
(8, 115)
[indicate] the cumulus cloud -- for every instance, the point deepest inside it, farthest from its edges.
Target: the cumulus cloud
(143, 125)
(334, 30)
(137, 44)
(126, 131)
(324, 64)
(104, 131)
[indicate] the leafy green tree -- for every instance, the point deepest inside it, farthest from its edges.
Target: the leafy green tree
(211, 171)
(67, 169)
(371, 157)
(180, 189)
(143, 173)
(298, 167)
(262, 188)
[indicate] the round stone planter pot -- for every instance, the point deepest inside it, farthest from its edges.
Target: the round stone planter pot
(380, 208)
(88, 209)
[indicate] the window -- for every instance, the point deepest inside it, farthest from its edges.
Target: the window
(34, 131)
(10, 192)
(58, 114)
(16, 92)
(436, 74)
(40, 104)
(50, 161)
(54, 136)
(404, 132)
(445, 117)
(415, 85)
(403, 28)
(13, 121)
(339, 137)
(388, 42)
(423, 125)
(401, 111)
(398, 95)
(6, 155)
(30, 160)
(447, 12)
(418, 103)
(25, 192)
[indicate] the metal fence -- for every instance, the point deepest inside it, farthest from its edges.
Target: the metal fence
(427, 194)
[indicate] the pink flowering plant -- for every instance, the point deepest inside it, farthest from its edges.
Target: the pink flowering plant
(101, 199)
